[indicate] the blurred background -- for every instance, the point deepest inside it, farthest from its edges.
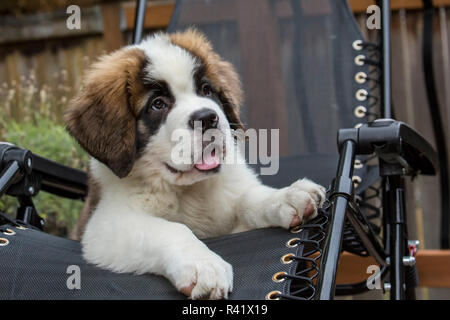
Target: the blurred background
(42, 64)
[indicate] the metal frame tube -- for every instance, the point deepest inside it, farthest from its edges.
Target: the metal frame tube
(366, 234)
(8, 176)
(397, 242)
(139, 20)
(398, 252)
(359, 287)
(393, 186)
(386, 58)
(343, 185)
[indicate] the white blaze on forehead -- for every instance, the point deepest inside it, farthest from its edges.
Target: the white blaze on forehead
(170, 63)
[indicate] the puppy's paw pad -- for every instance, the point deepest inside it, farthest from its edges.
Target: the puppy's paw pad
(187, 290)
(295, 221)
(293, 206)
(310, 211)
(213, 278)
(316, 191)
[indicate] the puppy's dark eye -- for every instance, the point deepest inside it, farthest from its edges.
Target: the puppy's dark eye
(158, 104)
(206, 89)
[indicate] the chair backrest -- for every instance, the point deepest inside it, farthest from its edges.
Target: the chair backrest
(296, 59)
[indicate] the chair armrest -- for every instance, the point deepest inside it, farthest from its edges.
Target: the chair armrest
(395, 143)
(60, 179)
(45, 174)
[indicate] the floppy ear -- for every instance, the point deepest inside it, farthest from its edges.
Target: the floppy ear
(222, 74)
(102, 117)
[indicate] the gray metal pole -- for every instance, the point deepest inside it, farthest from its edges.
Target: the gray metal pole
(139, 21)
(386, 45)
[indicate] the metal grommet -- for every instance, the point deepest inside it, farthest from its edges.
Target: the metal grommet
(286, 259)
(296, 229)
(272, 295)
(3, 242)
(360, 111)
(21, 228)
(356, 180)
(359, 60)
(292, 242)
(357, 45)
(358, 164)
(279, 276)
(9, 232)
(360, 77)
(361, 95)
(358, 125)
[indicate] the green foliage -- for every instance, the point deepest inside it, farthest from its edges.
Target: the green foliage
(40, 131)
(47, 139)
(51, 141)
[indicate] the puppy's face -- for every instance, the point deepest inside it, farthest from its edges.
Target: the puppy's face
(146, 109)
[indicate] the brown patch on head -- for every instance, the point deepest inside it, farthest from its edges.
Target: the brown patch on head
(102, 117)
(221, 73)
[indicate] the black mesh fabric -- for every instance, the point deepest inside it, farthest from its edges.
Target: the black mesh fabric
(34, 266)
(296, 62)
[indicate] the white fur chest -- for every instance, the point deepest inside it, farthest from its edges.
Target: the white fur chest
(200, 206)
(206, 207)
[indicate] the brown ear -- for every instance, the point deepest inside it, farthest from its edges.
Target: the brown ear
(221, 73)
(102, 117)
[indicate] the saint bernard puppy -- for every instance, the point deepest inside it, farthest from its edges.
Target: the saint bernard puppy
(145, 213)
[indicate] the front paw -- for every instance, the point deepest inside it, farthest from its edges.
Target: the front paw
(203, 276)
(299, 202)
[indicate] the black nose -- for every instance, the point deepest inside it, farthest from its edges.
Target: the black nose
(208, 118)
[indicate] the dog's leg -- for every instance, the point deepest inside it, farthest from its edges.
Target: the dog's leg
(140, 243)
(261, 206)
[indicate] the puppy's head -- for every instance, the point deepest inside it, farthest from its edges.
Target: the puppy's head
(141, 102)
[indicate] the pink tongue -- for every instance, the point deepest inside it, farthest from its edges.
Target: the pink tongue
(209, 162)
